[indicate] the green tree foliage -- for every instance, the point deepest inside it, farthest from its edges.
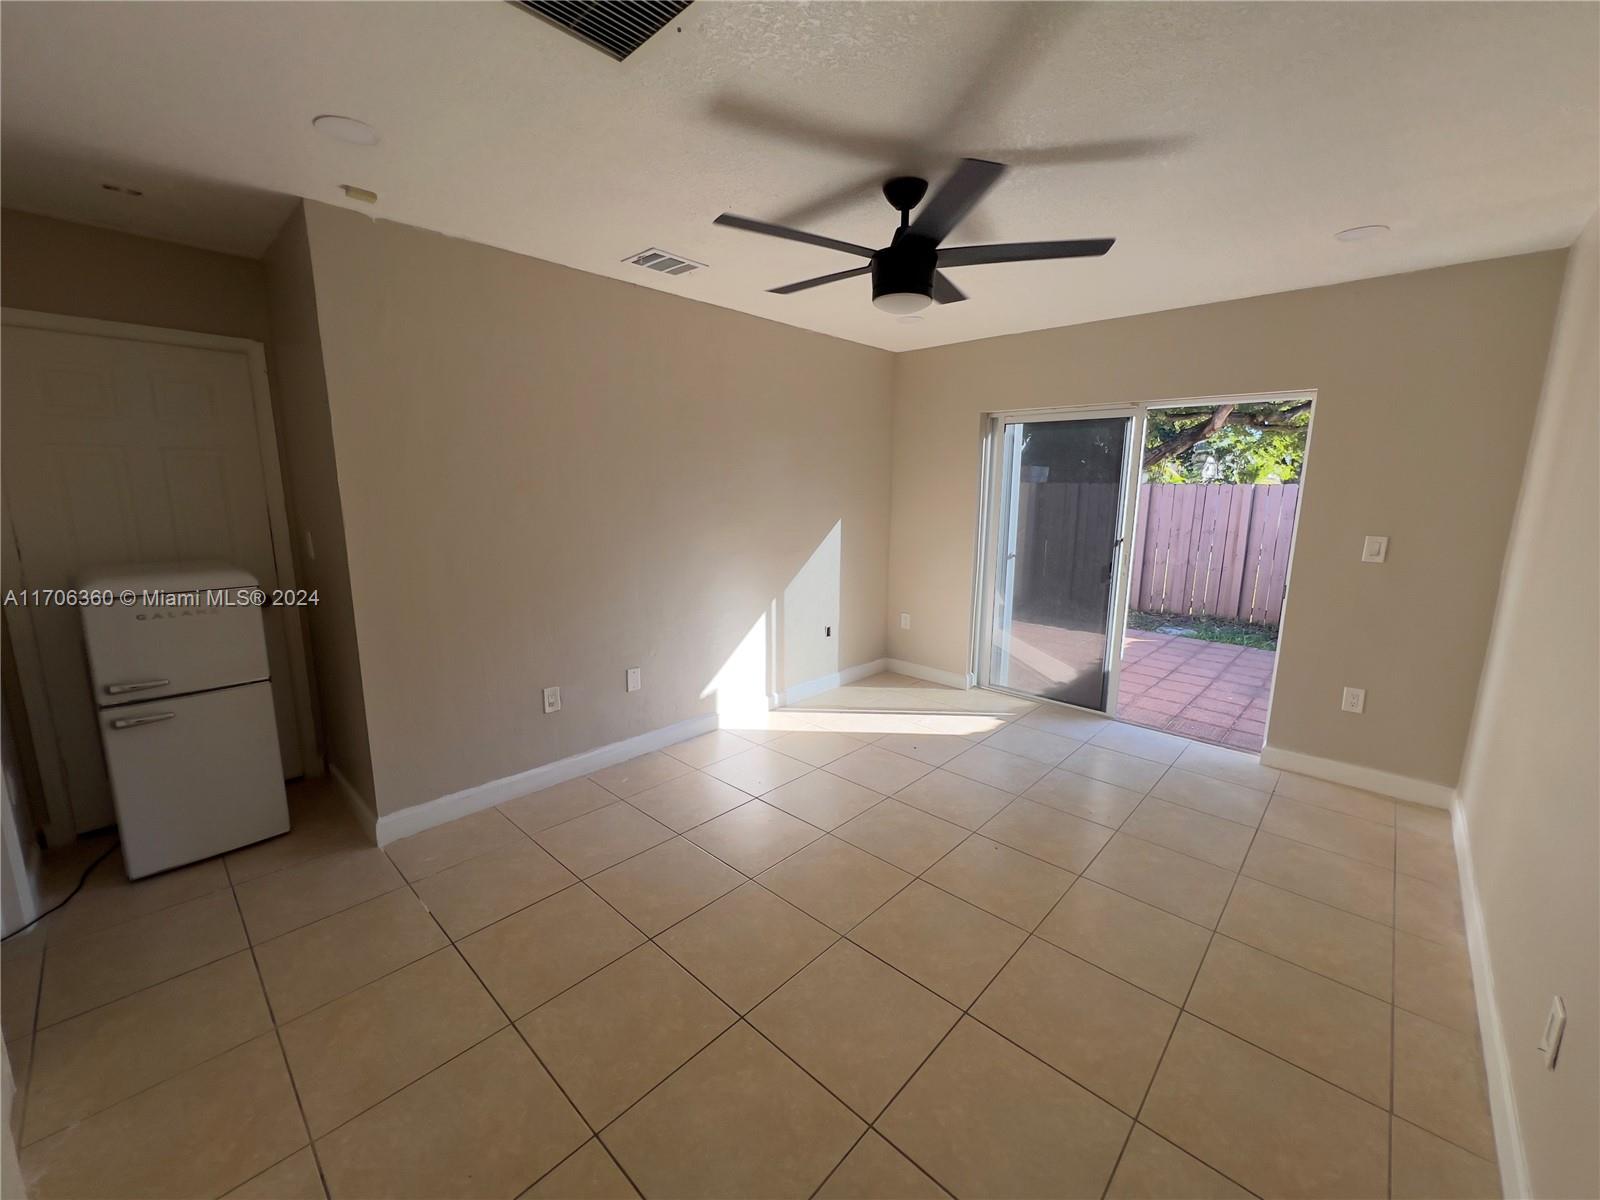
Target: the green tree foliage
(1244, 443)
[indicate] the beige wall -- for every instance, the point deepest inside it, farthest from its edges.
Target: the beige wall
(62, 267)
(1530, 794)
(548, 477)
(305, 435)
(1426, 387)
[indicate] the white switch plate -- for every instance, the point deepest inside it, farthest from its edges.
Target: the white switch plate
(905, 620)
(1555, 1025)
(1375, 549)
(1354, 701)
(552, 700)
(635, 680)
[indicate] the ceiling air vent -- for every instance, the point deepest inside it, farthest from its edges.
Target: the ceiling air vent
(664, 261)
(614, 27)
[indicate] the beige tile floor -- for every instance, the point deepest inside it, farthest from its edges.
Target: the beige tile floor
(901, 941)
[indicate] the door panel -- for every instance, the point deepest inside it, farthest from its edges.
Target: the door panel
(1059, 540)
(120, 451)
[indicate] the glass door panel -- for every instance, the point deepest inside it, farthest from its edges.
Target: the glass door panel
(1059, 532)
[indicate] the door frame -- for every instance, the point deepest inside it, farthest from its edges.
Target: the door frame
(60, 828)
(989, 494)
(989, 525)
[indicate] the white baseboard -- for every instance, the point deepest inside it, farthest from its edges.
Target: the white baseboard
(931, 674)
(1385, 783)
(826, 683)
(1496, 1060)
(393, 826)
(357, 803)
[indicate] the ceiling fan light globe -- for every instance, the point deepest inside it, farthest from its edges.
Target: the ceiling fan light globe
(902, 304)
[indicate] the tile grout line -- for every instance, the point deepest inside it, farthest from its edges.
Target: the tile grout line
(283, 1052)
(511, 1023)
(1182, 1009)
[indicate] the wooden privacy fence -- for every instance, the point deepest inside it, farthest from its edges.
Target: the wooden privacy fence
(1214, 550)
(1065, 534)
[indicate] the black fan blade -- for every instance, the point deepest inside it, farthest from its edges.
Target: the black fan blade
(968, 256)
(965, 187)
(818, 281)
(945, 292)
(793, 235)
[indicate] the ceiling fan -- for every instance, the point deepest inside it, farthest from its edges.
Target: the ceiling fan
(908, 273)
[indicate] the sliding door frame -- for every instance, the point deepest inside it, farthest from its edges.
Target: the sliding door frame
(990, 525)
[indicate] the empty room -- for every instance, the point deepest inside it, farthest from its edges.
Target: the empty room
(731, 599)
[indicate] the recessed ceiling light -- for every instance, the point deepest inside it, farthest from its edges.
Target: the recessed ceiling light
(346, 129)
(1361, 233)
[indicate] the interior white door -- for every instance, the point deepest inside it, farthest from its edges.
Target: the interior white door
(123, 451)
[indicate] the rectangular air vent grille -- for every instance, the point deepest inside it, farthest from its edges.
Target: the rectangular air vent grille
(664, 261)
(616, 27)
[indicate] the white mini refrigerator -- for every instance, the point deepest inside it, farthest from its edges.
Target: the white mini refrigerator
(184, 694)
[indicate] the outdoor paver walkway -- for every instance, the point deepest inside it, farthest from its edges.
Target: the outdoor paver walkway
(1208, 690)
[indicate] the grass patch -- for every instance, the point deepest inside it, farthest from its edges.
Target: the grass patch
(1205, 629)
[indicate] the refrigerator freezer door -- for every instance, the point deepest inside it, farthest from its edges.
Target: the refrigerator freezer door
(193, 776)
(147, 649)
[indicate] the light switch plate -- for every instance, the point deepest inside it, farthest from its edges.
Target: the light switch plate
(635, 681)
(1354, 700)
(905, 620)
(552, 700)
(1555, 1027)
(1375, 549)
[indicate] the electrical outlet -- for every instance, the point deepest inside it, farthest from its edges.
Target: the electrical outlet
(1555, 1026)
(1354, 701)
(552, 700)
(905, 620)
(1375, 549)
(635, 679)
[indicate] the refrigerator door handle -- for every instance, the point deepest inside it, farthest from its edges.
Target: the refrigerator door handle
(142, 685)
(145, 719)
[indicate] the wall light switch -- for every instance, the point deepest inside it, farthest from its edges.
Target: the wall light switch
(552, 700)
(1555, 1025)
(635, 680)
(1354, 701)
(905, 620)
(1375, 549)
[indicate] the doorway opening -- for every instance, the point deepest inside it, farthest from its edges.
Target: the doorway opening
(1218, 496)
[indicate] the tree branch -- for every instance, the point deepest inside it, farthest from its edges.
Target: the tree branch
(1186, 439)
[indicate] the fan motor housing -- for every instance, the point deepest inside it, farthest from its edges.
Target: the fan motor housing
(906, 266)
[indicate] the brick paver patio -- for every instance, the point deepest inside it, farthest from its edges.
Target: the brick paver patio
(1207, 690)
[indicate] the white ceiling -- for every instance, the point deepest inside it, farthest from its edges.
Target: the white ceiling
(1471, 129)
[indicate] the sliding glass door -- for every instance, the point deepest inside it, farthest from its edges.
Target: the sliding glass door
(1056, 545)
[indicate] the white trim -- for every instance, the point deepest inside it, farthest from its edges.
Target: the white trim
(59, 827)
(1385, 783)
(393, 826)
(358, 805)
(255, 356)
(931, 674)
(826, 683)
(1496, 1061)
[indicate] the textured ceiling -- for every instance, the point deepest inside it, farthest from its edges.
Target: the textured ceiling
(1223, 145)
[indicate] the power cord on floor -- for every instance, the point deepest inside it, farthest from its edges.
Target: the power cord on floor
(83, 879)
